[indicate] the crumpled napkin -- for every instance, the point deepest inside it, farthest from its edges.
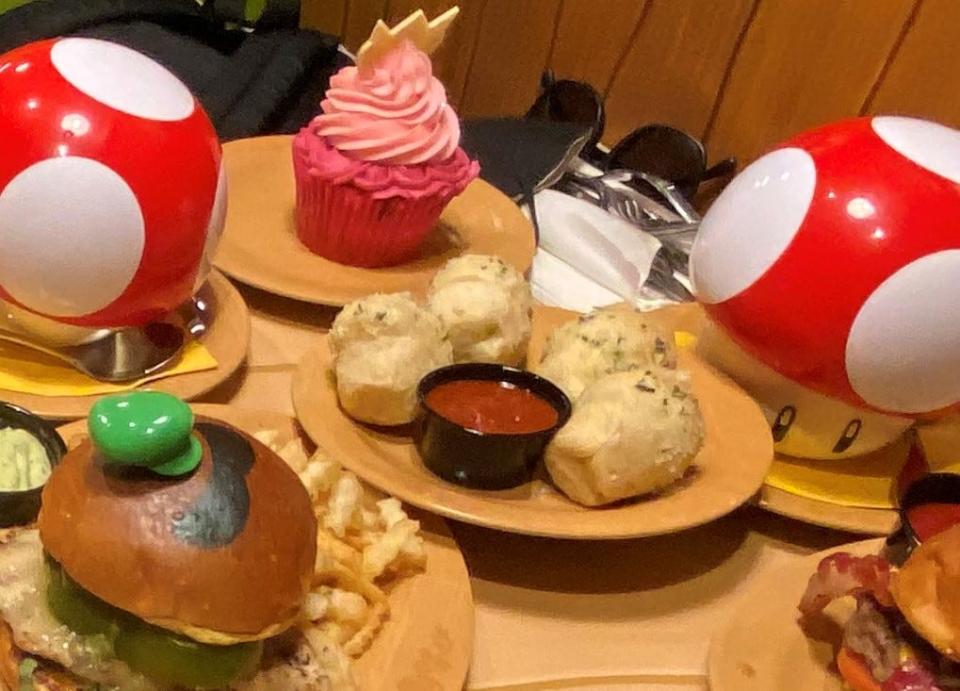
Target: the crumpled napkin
(587, 257)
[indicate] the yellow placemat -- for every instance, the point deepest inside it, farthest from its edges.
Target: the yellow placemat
(941, 444)
(26, 371)
(867, 482)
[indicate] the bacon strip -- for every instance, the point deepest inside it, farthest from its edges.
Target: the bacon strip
(843, 574)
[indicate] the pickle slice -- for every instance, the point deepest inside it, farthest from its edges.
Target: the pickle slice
(159, 654)
(79, 610)
(167, 658)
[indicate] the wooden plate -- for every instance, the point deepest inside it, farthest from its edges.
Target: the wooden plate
(763, 647)
(260, 245)
(428, 641)
(850, 518)
(730, 467)
(227, 338)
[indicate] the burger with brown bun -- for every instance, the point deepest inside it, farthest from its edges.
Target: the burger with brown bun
(170, 553)
(905, 632)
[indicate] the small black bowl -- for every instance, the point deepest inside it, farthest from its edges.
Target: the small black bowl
(483, 460)
(933, 488)
(19, 507)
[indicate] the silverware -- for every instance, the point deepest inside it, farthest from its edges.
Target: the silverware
(628, 203)
(675, 236)
(632, 205)
(663, 280)
(122, 355)
(670, 192)
(584, 187)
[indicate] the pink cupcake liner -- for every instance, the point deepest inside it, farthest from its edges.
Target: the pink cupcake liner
(368, 214)
(348, 225)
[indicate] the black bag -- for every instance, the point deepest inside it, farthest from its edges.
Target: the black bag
(266, 80)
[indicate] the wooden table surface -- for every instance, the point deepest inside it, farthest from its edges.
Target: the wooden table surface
(551, 614)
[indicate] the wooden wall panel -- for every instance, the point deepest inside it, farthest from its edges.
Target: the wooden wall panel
(361, 15)
(742, 73)
(592, 39)
(325, 15)
(922, 78)
(803, 63)
(452, 61)
(513, 46)
(675, 66)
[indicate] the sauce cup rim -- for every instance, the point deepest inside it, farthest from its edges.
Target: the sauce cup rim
(914, 495)
(13, 416)
(486, 371)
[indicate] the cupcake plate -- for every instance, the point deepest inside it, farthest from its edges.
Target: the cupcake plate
(260, 245)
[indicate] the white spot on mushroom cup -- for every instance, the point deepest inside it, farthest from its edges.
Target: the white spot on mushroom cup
(752, 223)
(928, 144)
(902, 353)
(71, 236)
(122, 79)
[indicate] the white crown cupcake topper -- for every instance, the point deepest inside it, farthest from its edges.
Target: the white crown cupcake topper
(425, 35)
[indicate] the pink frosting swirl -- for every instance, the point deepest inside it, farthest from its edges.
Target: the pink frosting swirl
(315, 157)
(395, 112)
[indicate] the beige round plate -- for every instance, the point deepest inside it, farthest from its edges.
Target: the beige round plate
(428, 640)
(260, 245)
(729, 469)
(691, 317)
(227, 338)
(850, 518)
(764, 649)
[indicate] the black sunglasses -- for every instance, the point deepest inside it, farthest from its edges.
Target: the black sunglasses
(657, 149)
(570, 102)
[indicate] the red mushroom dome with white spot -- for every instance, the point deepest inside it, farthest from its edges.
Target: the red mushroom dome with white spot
(110, 184)
(835, 260)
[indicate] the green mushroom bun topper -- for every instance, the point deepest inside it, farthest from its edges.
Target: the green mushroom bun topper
(170, 554)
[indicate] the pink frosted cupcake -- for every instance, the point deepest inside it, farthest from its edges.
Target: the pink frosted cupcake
(377, 167)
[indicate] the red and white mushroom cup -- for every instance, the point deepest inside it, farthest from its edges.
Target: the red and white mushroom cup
(111, 185)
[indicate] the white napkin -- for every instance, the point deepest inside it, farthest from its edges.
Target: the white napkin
(556, 283)
(587, 257)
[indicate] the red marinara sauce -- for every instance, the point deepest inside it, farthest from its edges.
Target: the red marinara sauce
(492, 407)
(928, 520)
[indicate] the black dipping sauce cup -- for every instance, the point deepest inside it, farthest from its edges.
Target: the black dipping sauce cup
(19, 507)
(933, 488)
(483, 460)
